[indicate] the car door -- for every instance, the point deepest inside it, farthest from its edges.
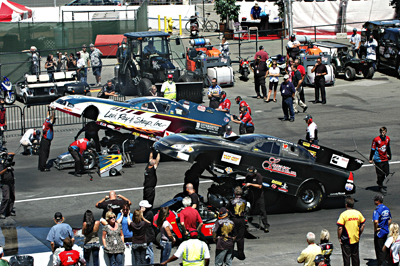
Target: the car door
(392, 49)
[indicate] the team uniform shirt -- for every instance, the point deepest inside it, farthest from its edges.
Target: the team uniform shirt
(287, 89)
(302, 70)
(197, 242)
(246, 119)
(371, 49)
(356, 39)
(80, 145)
(48, 130)
(214, 90)
(255, 13)
(274, 71)
(190, 217)
(2, 117)
(291, 44)
(263, 54)
(237, 207)
(243, 103)
(351, 220)
(312, 132)
(69, 258)
(307, 256)
(382, 215)
(225, 104)
(256, 179)
(320, 69)
(115, 206)
(394, 248)
(380, 148)
(27, 137)
(195, 200)
(224, 228)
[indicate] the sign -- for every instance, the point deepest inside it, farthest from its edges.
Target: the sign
(339, 161)
(231, 158)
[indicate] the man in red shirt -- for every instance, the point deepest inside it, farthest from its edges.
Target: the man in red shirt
(380, 156)
(241, 103)
(47, 137)
(76, 149)
(245, 121)
(303, 75)
(262, 53)
(3, 122)
(69, 257)
(225, 104)
(189, 217)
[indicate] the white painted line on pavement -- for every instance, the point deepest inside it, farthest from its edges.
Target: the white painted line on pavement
(102, 192)
(366, 165)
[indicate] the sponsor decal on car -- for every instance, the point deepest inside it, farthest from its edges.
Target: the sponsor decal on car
(315, 146)
(283, 188)
(285, 146)
(209, 226)
(306, 144)
(231, 158)
(339, 161)
(201, 108)
(273, 186)
(167, 133)
(226, 119)
(279, 183)
(182, 156)
(273, 166)
(206, 127)
(228, 170)
(349, 186)
(337, 194)
(265, 184)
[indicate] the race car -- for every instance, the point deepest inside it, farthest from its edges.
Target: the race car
(151, 118)
(305, 171)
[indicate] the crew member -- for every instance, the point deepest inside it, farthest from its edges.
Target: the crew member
(8, 190)
(91, 133)
(193, 196)
(382, 219)
(293, 47)
(245, 121)
(225, 104)
(256, 192)
(150, 49)
(69, 256)
(288, 92)
(3, 122)
(381, 155)
(224, 233)
(30, 138)
(107, 90)
(260, 73)
(241, 103)
(193, 252)
(261, 52)
(312, 130)
(214, 94)
(229, 132)
(196, 170)
(47, 137)
(355, 41)
(150, 179)
(237, 210)
(255, 11)
(168, 88)
(320, 71)
(76, 149)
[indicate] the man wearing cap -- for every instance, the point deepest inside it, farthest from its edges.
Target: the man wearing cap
(380, 156)
(189, 217)
(224, 235)
(81, 69)
(262, 53)
(260, 73)
(34, 58)
(30, 137)
(319, 260)
(254, 182)
(58, 233)
(287, 92)
(303, 75)
(95, 59)
(47, 137)
(193, 252)
(320, 71)
(2, 261)
(382, 219)
(145, 208)
(168, 88)
(237, 210)
(229, 132)
(69, 256)
(312, 130)
(107, 90)
(255, 11)
(308, 255)
(350, 224)
(225, 104)
(214, 94)
(355, 41)
(293, 47)
(150, 178)
(86, 59)
(298, 84)
(111, 202)
(150, 49)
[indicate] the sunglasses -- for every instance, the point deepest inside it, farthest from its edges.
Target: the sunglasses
(112, 217)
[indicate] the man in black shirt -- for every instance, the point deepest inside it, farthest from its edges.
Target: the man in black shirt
(145, 208)
(193, 195)
(91, 132)
(297, 82)
(256, 193)
(107, 90)
(150, 179)
(320, 71)
(8, 191)
(287, 92)
(111, 202)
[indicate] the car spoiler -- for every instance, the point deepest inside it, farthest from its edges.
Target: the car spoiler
(330, 157)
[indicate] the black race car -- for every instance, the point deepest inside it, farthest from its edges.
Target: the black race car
(306, 171)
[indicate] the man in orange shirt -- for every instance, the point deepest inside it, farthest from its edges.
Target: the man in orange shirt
(351, 224)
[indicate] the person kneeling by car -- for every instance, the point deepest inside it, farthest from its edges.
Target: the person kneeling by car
(76, 149)
(245, 121)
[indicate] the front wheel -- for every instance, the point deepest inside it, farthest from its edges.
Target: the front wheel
(245, 75)
(369, 73)
(89, 161)
(10, 98)
(349, 73)
(309, 197)
(211, 26)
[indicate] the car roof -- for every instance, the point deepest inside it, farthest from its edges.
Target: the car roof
(383, 23)
(143, 34)
(394, 30)
(145, 99)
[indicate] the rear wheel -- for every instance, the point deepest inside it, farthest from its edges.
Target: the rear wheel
(349, 73)
(187, 26)
(89, 161)
(211, 26)
(369, 73)
(309, 197)
(25, 98)
(145, 86)
(113, 172)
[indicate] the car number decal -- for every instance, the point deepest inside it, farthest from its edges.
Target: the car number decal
(273, 166)
(339, 161)
(231, 158)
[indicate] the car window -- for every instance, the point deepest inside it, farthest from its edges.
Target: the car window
(180, 111)
(263, 147)
(162, 107)
(276, 148)
(246, 139)
(149, 106)
(297, 152)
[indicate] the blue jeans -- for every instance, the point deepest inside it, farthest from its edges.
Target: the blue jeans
(140, 255)
(150, 254)
(222, 256)
(287, 105)
(116, 259)
(166, 247)
(83, 75)
(87, 252)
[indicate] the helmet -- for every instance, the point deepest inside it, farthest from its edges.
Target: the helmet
(308, 117)
(223, 94)
(170, 76)
(238, 99)
(228, 129)
(319, 258)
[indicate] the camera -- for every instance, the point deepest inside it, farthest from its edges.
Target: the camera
(6, 158)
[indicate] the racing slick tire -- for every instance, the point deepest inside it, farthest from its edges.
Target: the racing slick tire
(369, 73)
(309, 197)
(349, 73)
(145, 86)
(90, 161)
(127, 86)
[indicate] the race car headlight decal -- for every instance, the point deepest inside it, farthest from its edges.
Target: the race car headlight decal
(183, 147)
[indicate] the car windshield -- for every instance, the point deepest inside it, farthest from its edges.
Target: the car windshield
(246, 139)
(296, 152)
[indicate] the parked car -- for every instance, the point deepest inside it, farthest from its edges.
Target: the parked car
(389, 49)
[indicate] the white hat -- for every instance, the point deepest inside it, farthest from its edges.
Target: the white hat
(255, 4)
(286, 76)
(144, 203)
(1, 250)
(33, 48)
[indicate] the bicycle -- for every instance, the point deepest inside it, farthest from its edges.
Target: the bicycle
(206, 25)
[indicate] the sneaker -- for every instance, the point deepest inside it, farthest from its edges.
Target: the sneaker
(45, 170)
(13, 214)
(266, 230)
(291, 120)
(2, 216)
(305, 109)
(77, 175)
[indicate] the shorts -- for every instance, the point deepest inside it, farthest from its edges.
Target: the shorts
(96, 71)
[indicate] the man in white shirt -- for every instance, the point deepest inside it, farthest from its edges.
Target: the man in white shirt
(86, 59)
(229, 133)
(80, 64)
(293, 47)
(355, 41)
(312, 130)
(371, 45)
(30, 137)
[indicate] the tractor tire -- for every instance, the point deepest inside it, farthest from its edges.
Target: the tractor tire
(144, 87)
(349, 73)
(127, 86)
(369, 73)
(309, 197)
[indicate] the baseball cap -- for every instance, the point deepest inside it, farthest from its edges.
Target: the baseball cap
(170, 76)
(144, 203)
(58, 216)
(91, 45)
(78, 53)
(378, 198)
(308, 117)
(228, 128)
(250, 169)
(261, 47)
(319, 258)
(193, 234)
(355, 29)
(286, 76)
(1, 250)
(255, 4)
(84, 46)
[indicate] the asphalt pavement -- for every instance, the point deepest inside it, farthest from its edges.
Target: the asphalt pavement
(354, 110)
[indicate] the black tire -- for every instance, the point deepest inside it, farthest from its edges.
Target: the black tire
(25, 99)
(187, 26)
(245, 75)
(211, 26)
(335, 70)
(90, 161)
(145, 86)
(398, 69)
(113, 172)
(369, 73)
(185, 78)
(349, 73)
(10, 100)
(127, 86)
(309, 197)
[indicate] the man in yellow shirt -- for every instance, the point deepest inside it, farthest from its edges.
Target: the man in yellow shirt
(307, 256)
(351, 224)
(168, 88)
